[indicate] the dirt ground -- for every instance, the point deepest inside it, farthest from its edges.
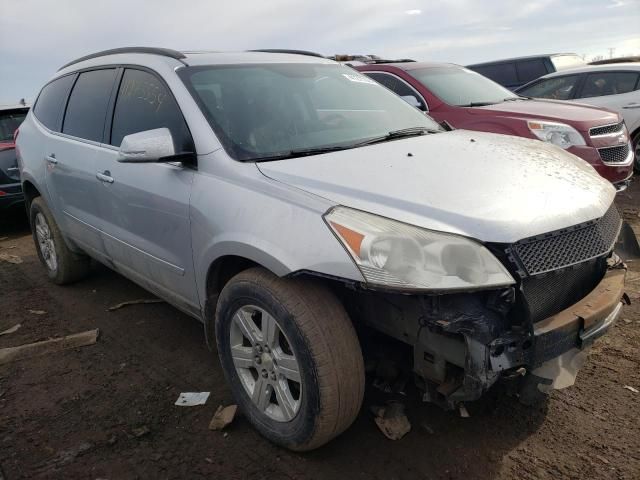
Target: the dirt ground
(107, 410)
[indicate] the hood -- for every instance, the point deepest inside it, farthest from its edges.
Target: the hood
(494, 188)
(585, 116)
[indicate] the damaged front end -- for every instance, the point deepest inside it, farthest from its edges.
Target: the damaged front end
(569, 290)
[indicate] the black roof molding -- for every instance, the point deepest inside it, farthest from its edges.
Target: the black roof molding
(368, 59)
(165, 52)
(381, 61)
(284, 50)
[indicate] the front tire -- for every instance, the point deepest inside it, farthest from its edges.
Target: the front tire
(63, 266)
(635, 143)
(291, 356)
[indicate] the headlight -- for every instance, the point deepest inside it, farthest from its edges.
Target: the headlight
(395, 254)
(560, 134)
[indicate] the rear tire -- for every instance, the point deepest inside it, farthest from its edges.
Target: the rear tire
(313, 337)
(63, 266)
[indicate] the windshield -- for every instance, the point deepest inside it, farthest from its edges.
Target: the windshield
(270, 110)
(9, 123)
(461, 87)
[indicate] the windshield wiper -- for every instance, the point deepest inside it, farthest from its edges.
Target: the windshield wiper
(402, 133)
(478, 104)
(302, 152)
(305, 152)
(513, 99)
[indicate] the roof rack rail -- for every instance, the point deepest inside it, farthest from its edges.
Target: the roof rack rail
(367, 59)
(399, 60)
(165, 52)
(285, 50)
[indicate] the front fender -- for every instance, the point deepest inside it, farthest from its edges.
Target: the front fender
(276, 226)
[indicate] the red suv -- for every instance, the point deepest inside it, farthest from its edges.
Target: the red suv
(465, 99)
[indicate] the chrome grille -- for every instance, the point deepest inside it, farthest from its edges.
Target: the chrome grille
(614, 154)
(606, 129)
(567, 247)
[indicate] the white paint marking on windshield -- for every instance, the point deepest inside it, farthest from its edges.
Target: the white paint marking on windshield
(359, 78)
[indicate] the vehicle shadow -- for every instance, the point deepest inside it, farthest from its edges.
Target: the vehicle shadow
(14, 222)
(440, 445)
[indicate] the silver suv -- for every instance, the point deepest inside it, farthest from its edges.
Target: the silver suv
(283, 200)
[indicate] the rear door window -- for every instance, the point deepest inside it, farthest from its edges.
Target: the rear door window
(396, 85)
(48, 108)
(608, 83)
(88, 103)
(145, 103)
(557, 88)
(531, 69)
(503, 73)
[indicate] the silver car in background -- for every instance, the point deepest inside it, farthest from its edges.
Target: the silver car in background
(283, 199)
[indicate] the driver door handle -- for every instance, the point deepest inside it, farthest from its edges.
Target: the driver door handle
(51, 159)
(105, 176)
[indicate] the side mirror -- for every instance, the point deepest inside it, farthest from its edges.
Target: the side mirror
(148, 146)
(413, 101)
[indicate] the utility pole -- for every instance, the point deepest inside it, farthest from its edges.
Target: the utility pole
(611, 50)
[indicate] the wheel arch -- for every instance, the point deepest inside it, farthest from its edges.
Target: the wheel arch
(633, 136)
(30, 192)
(218, 274)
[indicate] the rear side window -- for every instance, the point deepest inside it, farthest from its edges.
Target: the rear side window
(51, 100)
(396, 85)
(608, 83)
(503, 73)
(531, 69)
(557, 88)
(87, 107)
(145, 103)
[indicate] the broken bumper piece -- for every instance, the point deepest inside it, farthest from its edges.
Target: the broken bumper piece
(579, 326)
(551, 352)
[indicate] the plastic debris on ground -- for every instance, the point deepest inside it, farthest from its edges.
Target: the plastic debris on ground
(630, 388)
(134, 302)
(13, 329)
(391, 420)
(191, 399)
(15, 259)
(140, 431)
(223, 417)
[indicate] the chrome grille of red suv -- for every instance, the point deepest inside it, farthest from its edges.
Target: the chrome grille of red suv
(617, 154)
(607, 129)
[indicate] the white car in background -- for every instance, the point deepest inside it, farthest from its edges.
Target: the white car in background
(613, 86)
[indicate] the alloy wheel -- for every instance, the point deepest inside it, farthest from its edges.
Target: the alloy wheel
(265, 363)
(45, 242)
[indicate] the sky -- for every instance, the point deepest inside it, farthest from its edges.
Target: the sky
(38, 36)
